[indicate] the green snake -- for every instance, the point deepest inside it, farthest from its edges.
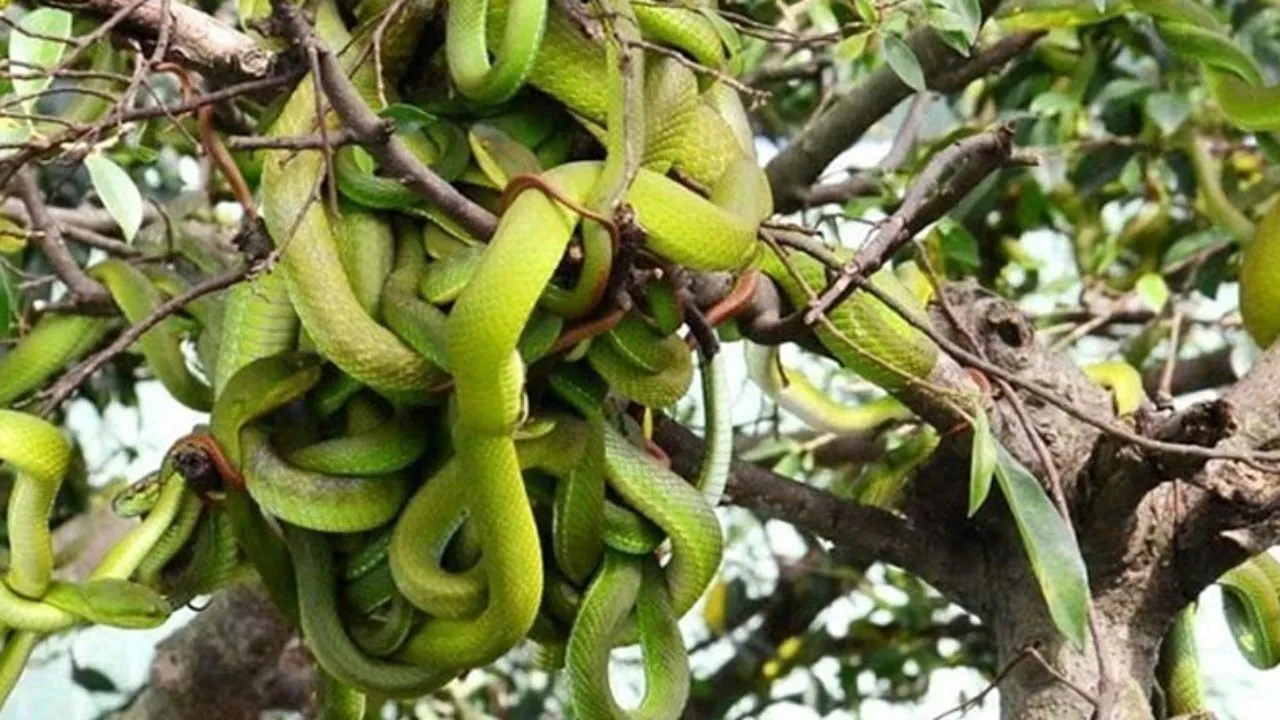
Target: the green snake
(32, 602)
(534, 512)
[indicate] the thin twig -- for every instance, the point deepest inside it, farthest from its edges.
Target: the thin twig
(1164, 392)
(74, 378)
(1004, 673)
(48, 236)
(94, 239)
(340, 137)
(972, 159)
(1252, 458)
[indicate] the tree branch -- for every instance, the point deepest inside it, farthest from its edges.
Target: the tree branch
(67, 384)
(394, 157)
(795, 168)
(194, 38)
(235, 660)
(84, 291)
(865, 534)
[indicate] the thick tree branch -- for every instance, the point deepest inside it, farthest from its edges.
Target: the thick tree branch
(236, 660)
(194, 38)
(865, 534)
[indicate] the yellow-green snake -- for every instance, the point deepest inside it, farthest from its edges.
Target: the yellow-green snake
(418, 471)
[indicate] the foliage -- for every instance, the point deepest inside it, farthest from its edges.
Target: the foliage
(1120, 229)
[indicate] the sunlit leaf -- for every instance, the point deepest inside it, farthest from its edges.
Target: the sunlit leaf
(958, 245)
(1168, 110)
(852, 47)
(1152, 290)
(1051, 548)
(867, 10)
(982, 462)
(118, 193)
(30, 55)
(902, 59)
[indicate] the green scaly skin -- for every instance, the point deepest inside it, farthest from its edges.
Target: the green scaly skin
(41, 456)
(54, 342)
(624, 146)
(625, 582)
(1251, 602)
(173, 539)
(416, 322)
(793, 392)
(258, 321)
(1178, 671)
(332, 647)
(322, 296)
(467, 47)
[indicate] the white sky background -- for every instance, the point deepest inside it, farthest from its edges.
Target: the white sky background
(1236, 690)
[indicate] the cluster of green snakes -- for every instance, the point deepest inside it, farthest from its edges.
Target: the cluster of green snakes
(431, 447)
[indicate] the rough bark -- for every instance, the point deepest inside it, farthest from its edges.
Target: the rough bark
(236, 659)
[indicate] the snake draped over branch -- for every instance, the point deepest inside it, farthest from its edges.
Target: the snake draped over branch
(432, 444)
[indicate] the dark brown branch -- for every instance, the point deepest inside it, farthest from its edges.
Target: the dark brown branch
(864, 533)
(394, 157)
(236, 659)
(1203, 372)
(868, 181)
(48, 236)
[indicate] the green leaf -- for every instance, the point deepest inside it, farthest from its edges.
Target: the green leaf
(6, 305)
(1188, 245)
(1168, 110)
(13, 132)
(823, 18)
(1051, 549)
(902, 59)
(118, 193)
(982, 462)
(852, 47)
(30, 54)
(1126, 90)
(1053, 103)
(1152, 290)
(970, 11)
(407, 116)
(867, 11)
(958, 245)
(1211, 276)
(1269, 146)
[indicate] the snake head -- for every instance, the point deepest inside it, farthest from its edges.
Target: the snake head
(199, 459)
